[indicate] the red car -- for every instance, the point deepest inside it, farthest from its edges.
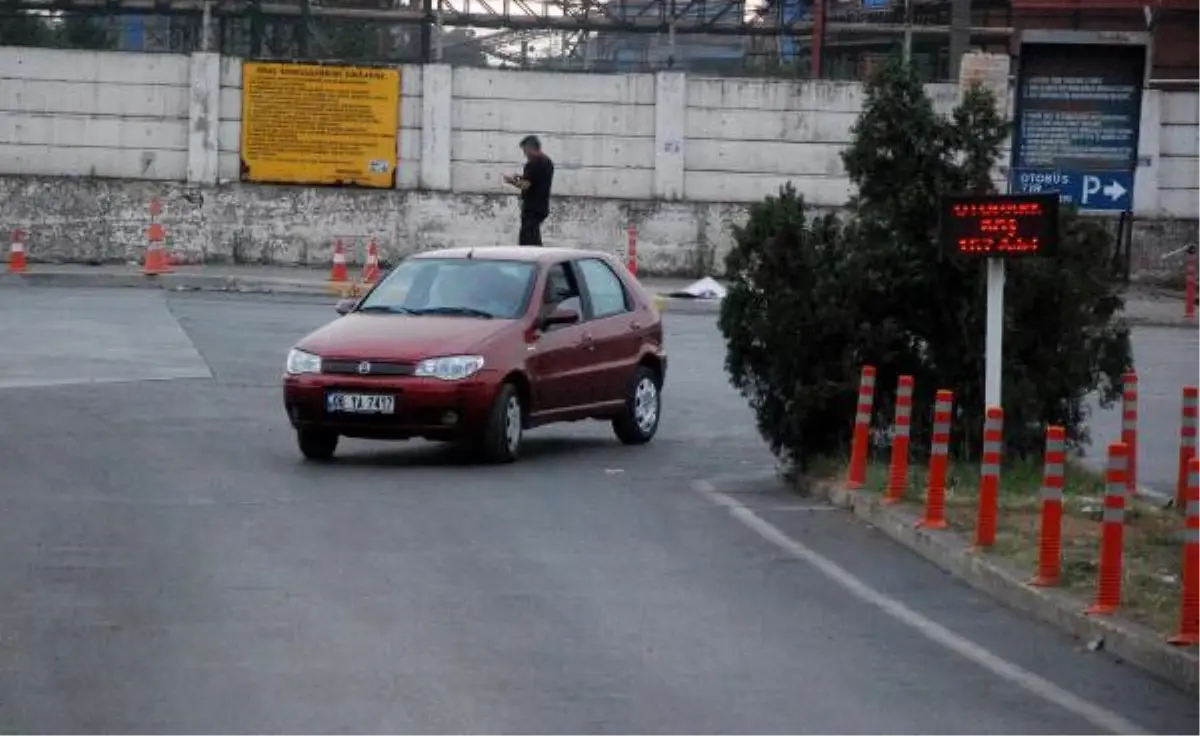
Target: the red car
(478, 345)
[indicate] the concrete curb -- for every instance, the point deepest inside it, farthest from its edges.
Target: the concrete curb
(1155, 290)
(1153, 322)
(1136, 644)
(1159, 294)
(253, 285)
(174, 282)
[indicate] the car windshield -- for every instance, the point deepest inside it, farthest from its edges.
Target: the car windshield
(459, 287)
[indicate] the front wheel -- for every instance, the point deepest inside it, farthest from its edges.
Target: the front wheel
(638, 422)
(316, 444)
(501, 441)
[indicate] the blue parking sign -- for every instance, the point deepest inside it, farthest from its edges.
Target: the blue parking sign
(1077, 121)
(1109, 191)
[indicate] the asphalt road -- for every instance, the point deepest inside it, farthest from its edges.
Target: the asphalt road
(1165, 359)
(168, 564)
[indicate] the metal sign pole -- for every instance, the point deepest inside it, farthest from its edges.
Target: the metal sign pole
(992, 72)
(994, 339)
(437, 40)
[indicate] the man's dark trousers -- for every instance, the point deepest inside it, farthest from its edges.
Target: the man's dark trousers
(531, 228)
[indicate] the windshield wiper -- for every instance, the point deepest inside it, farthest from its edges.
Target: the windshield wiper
(385, 308)
(465, 311)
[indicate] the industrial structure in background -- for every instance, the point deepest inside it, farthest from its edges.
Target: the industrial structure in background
(831, 39)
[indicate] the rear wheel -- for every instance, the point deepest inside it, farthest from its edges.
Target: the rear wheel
(501, 441)
(638, 423)
(316, 444)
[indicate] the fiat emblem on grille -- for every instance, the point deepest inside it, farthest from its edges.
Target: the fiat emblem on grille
(364, 367)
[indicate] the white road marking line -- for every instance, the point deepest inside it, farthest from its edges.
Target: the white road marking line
(1094, 714)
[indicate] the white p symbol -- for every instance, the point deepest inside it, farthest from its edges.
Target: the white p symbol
(1091, 185)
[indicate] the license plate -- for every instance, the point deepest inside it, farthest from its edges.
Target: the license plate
(360, 403)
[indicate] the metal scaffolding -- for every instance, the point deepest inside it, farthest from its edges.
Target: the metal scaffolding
(507, 28)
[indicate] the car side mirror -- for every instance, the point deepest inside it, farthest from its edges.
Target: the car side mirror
(561, 317)
(344, 306)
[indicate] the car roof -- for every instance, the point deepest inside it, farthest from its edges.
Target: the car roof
(526, 253)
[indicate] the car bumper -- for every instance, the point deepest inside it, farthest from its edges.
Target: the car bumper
(425, 407)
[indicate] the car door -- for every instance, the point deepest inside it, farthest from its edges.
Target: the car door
(558, 354)
(612, 330)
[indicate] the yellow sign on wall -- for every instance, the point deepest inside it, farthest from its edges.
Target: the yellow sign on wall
(316, 124)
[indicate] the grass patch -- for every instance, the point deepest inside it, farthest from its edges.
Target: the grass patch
(1151, 586)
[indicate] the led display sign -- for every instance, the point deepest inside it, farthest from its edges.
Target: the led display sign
(1000, 225)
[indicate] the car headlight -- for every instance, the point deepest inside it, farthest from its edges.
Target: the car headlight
(452, 368)
(299, 362)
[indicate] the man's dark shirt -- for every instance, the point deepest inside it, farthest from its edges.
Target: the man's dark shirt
(539, 171)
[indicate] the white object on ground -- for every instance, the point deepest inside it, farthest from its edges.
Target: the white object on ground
(705, 288)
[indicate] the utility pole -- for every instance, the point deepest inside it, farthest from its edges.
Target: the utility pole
(960, 33)
(427, 21)
(908, 31)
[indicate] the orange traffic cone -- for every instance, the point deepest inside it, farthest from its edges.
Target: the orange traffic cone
(16, 255)
(156, 209)
(156, 257)
(338, 274)
(156, 261)
(370, 273)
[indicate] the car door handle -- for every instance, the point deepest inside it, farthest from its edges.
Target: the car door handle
(635, 325)
(587, 341)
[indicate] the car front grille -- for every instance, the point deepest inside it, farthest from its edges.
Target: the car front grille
(350, 368)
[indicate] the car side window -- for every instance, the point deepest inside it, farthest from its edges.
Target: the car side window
(561, 291)
(604, 287)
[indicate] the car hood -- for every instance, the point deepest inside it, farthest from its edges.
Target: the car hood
(401, 338)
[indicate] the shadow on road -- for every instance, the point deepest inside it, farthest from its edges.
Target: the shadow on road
(419, 453)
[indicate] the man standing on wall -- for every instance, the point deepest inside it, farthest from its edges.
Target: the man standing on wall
(534, 184)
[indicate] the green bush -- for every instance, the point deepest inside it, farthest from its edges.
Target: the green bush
(786, 323)
(812, 298)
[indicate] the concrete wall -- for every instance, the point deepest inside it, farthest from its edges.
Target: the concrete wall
(1179, 149)
(68, 113)
(599, 129)
(678, 157)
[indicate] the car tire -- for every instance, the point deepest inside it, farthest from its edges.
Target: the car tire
(501, 441)
(317, 444)
(638, 421)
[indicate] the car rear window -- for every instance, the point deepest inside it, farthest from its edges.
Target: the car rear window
(496, 287)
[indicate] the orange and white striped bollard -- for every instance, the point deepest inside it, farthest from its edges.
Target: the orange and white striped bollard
(989, 477)
(1050, 534)
(1112, 532)
(901, 433)
(939, 460)
(857, 476)
(1129, 426)
(1189, 285)
(631, 254)
(1187, 443)
(1189, 607)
